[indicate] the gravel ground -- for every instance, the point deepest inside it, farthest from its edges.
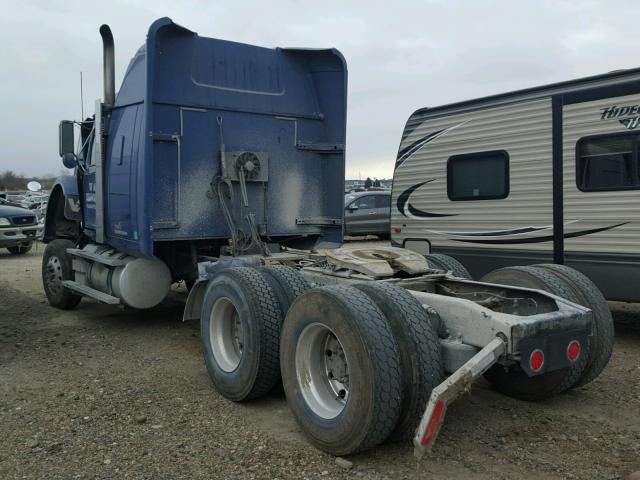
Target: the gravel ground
(102, 392)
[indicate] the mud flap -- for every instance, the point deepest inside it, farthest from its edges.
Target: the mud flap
(449, 390)
(194, 301)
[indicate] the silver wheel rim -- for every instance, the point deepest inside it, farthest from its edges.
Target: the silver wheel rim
(53, 274)
(226, 335)
(322, 370)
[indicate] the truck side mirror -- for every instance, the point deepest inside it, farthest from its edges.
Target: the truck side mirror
(66, 143)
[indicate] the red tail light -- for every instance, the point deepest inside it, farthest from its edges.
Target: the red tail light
(536, 360)
(434, 423)
(573, 350)
(397, 229)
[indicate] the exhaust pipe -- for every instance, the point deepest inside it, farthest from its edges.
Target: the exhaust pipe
(108, 66)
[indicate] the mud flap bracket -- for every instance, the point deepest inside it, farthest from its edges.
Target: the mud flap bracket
(449, 390)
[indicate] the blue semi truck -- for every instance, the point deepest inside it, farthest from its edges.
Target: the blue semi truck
(221, 164)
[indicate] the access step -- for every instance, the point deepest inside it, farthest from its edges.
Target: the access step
(91, 292)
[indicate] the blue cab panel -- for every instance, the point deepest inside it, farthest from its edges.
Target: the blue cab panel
(183, 99)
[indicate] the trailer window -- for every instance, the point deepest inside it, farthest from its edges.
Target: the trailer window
(478, 176)
(608, 162)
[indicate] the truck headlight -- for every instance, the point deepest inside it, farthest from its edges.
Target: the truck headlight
(4, 222)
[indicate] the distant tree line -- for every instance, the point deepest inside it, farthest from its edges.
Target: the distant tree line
(368, 183)
(10, 180)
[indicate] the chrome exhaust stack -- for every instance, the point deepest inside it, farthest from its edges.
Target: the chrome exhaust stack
(108, 60)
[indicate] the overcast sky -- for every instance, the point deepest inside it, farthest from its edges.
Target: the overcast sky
(400, 55)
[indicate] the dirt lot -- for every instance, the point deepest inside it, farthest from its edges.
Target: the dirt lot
(101, 392)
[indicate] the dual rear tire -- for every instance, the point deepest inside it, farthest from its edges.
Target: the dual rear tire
(446, 263)
(577, 288)
(590, 296)
(421, 366)
(241, 319)
(388, 351)
(357, 363)
(340, 369)
(240, 327)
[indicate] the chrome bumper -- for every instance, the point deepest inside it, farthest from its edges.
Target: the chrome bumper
(14, 235)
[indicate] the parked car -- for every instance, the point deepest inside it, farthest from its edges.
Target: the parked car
(19, 228)
(367, 213)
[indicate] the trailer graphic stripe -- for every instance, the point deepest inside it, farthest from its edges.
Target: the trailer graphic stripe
(546, 238)
(493, 233)
(404, 206)
(498, 233)
(405, 153)
(408, 148)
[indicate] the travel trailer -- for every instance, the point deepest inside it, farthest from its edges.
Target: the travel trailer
(537, 175)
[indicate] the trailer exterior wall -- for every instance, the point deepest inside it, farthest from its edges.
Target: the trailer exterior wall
(594, 210)
(611, 255)
(524, 131)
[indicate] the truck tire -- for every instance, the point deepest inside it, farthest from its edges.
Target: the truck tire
(513, 381)
(420, 357)
(287, 283)
(56, 267)
(240, 330)
(340, 369)
(449, 264)
(590, 296)
(20, 249)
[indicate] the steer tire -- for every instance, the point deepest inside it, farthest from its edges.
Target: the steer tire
(56, 267)
(340, 328)
(449, 264)
(20, 249)
(287, 283)
(420, 357)
(513, 381)
(590, 296)
(240, 330)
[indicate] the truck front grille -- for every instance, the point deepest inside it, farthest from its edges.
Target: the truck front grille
(25, 220)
